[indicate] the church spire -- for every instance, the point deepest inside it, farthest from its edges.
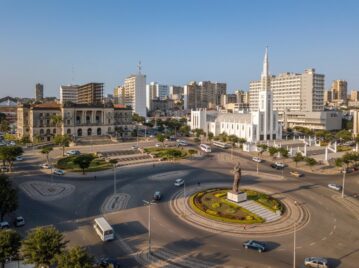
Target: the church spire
(265, 72)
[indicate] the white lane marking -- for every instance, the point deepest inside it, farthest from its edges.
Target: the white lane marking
(324, 238)
(335, 227)
(299, 247)
(312, 244)
(331, 233)
(335, 219)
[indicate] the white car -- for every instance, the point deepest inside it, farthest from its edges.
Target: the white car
(257, 159)
(45, 165)
(158, 145)
(72, 152)
(179, 182)
(280, 164)
(18, 158)
(335, 187)
(182, 143)
(316, 262)
(4, 225)
(134, 147)
(59, 172)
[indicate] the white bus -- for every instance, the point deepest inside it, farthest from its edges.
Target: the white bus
(104, 229)
(221, 144)
(205, 147)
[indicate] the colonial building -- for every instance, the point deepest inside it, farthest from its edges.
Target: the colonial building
(259, 125)
(40, 122)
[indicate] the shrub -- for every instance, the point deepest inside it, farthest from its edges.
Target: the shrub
(216, 205)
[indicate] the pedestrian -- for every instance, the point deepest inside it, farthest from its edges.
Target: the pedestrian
(94, 177)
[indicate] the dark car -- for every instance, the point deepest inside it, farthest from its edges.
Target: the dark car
(252, 244)
(157, 196)
(107, 263)
(276, 166)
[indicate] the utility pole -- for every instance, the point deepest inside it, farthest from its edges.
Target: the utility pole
(149, 203)
(294, 240)
(344, 172)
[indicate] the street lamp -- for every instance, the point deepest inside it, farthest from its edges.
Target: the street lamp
(344, 172)
(184, 198)
(294, 239)
(149, 203)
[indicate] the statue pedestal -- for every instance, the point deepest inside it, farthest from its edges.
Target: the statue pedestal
(237, 197)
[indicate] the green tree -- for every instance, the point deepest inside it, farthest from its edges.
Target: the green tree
(8, 197)
(84, 161)
(344, 135)
(4, 124)
(9, 245)
(283, 152)
(9, 154)
(241, 141)
(310, 162)
(160, 138)
(184, 130)
(46, 151)
(56, 120)
(210, 136)
(63, 141)
(41, 245)
(272, 151)
(297, 158)
(138, 119)
(76, 257)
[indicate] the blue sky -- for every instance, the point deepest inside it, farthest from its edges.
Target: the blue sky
(60, 42)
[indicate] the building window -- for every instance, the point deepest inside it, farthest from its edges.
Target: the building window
(79, 132)
(68, 131)
(41, 132)
(89, 132)
(99, 131)
(54, 131)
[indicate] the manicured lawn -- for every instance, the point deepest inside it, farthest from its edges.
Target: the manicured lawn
(265, 200)
(96, 165)
(168, 153)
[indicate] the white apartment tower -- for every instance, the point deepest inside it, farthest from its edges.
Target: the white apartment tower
(292, 92)
(155, 90)
(134, 93)
(69, 93)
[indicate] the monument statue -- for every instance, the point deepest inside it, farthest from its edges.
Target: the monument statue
(237, 177)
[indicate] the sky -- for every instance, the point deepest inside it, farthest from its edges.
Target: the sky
(79, 41)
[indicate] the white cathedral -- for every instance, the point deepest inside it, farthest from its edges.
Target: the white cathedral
(261, 125)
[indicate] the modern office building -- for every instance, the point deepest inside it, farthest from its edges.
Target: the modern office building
(354, 95)
(339, 91)
(91, 93)
(39, 91)
(69, 93)
(155, 90)
(259, 125)
(292, 92)
(134, 93)
(119, 95)
(205, 94)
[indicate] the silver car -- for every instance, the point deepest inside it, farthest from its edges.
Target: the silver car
(335, 187)
(316, 262)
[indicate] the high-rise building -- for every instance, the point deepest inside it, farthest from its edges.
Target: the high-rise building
(205, 94)
(135, 93)
(91, 93)
(69, 93)
(339, 90)
(354, 95)
(39, 91)
(175, 90)
(327, 96)
(118, 94)
(155, 90)
(292, 92)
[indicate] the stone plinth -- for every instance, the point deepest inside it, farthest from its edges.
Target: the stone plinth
(237, 197)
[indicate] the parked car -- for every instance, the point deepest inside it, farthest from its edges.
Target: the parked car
(179, 182)
(134, 147)
(316, 262)
(276, 167)
(73, 152)
(257, 159)
(107, 263)
(18, 158)
(157, 196)
(46, 166)
(253, 244)
(12, 143)
(4, 225)
(296, 174)
(280, 164)
(4, 169)
(335, 187)
(182, 143)
(59, 172)
(19, 221)
(158, 145)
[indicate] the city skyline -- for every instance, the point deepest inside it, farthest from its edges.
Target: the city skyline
(179, 42)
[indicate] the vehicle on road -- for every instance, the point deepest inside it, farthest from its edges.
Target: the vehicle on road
(19, 221)
(276, 167)
(296, 174)
(335, 187)
(316, 262)
(182, 143)
(158, 145)
(280, 164)
(12, 143)
(107, 263)
(46, 166)
(134, 147)
(59, 172)
(179, 182)
(256, 245)
(157, 196)
(220, 144)
(206, 148)
(4, 169)
(18, 158)
(103, 229)
(257, 159)
(4, 225)
(73, 152)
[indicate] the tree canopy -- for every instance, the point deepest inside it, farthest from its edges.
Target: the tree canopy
(46, 151)
(63, 141)
(76, 257)
(9, 245)
(9, 154)
(8, 197)
(84, 161)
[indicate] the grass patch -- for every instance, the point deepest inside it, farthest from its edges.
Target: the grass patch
(168, 153)
(96, 165)
(265, 200)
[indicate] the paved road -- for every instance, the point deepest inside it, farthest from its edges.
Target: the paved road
(331, 232)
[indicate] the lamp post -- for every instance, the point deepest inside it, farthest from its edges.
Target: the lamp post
(294, 239)
(343, 185)
(257, 167)
(184, 198)
(149, 203)
(114, 162)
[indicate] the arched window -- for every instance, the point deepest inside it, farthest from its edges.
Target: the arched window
(48, 131)
(54, 131)
(99, 131)
(41, 132)
(89, 132)
(79, 132)
(68, 131)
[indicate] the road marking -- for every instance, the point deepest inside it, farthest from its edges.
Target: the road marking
(335, 219)
(312, 244)
(335, 227)
(299, 247)
(331, 233)
(324, 238)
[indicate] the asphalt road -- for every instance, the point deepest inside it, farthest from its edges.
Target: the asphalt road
(332, 231)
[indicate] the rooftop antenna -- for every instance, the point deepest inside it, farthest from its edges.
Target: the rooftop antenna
(139, 66)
